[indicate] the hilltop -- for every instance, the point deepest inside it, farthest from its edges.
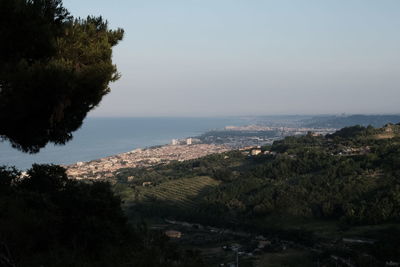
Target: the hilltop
(350, 120)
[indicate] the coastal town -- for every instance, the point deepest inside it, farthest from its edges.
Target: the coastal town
(218, 141)
(103, 168)
(237, 137)
(283, 131)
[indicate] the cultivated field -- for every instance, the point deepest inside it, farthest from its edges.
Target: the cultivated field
(179, 193)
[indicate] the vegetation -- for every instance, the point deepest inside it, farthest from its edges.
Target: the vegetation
(47, 219)
(349, 178)
(286, 258)
(53, 70)
(176, 196)
(179, 192)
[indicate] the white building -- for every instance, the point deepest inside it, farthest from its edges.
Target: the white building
(255, 152)
(189, 141)
(174, 142)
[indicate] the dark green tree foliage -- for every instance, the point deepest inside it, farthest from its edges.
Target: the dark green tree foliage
(350, 176)
(47, 219)
(53, 70)
(352, 132)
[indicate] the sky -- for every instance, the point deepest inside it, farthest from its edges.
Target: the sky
(251, 57)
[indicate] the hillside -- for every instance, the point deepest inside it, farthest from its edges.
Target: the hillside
(347, 121)
(312, 190)
(180, 193)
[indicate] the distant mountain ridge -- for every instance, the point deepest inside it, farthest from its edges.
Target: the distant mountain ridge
(346, 121)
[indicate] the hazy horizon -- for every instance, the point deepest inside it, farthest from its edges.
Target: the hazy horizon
(245, 58)
(94, 115)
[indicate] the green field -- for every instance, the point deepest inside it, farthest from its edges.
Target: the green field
(182, 192)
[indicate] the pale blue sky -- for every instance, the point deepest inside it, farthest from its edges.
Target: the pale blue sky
(253, 57)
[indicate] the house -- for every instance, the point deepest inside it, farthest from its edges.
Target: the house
(174, 142)
(255, 152)
(147, 183)
(173, 234)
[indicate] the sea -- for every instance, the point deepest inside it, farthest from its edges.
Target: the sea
(101, 137)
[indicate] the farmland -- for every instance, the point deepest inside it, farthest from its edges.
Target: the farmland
(181, 193)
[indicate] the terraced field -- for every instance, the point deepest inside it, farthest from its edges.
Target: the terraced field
(181, 192)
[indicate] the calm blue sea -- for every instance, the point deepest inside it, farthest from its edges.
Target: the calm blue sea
(100, 137)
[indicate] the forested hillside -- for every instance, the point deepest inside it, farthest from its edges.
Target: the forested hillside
(348, 179)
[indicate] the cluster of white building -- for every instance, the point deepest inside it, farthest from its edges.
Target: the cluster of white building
(187, 141)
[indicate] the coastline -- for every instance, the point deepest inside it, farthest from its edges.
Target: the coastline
(104, 168)
(103, 137)
(211, 142)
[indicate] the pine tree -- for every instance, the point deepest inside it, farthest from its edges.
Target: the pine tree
(53, 70)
